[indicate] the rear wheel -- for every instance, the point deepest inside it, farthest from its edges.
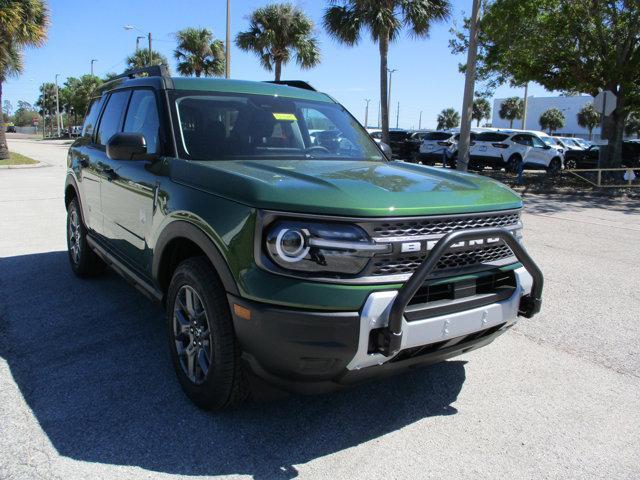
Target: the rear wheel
(204, 349)
(84, 261)
(514, 163)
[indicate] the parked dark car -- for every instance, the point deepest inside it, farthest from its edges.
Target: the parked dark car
(11, 129)
(405, 144)
(589, 158)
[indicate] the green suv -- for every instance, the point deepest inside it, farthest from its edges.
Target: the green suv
(283, 244)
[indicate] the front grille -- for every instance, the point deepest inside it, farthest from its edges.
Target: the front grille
(451, 260)
(436, 226)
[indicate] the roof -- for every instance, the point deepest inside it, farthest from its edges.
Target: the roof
(244, 86)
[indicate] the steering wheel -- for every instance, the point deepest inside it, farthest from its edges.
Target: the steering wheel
(318, 148)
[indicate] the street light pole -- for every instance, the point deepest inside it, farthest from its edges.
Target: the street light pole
(138, 42)
(150, 51)
(92, 62)
(526, 104)
(469, 88)
(420, 121)
(57, 105)
(398, 116)
(366, 113)
(227, 64)
(391, 72)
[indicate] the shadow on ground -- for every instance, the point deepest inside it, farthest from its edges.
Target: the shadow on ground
(559, 203)
(90, 359)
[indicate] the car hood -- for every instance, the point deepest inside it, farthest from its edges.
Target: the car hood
(350, 188)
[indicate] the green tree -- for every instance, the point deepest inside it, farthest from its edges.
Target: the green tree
(77, 93)
(25, 114)
(23, 23)
(552, 120)
(141, 59)
(277, 33)
(46, 102)
(198, 53)
(588, 118)
(481, 110)
(570, 46)
(448, 118)
(633, 125)
(511, 109)
(347, 19)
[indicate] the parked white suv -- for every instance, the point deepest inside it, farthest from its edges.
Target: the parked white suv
(508, 149)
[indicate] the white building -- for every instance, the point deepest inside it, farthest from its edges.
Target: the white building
(570, 106)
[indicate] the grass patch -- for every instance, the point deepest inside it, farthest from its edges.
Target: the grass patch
(17, 159)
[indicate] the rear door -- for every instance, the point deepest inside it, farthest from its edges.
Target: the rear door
(128, 196)
(84, 156)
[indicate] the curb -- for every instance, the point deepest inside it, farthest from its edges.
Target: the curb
(18, 167)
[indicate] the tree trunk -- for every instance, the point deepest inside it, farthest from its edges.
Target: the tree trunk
(278, 69)
(590, 134)
(511, 123)
(4, 148)
(384, 88)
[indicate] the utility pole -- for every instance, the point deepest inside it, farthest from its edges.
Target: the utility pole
(92, 62)
(398, 115)
(526, 104)
(227, 67)
(44, 112)
(150, 51)
(366, 113)
(469, 88)
(420, 121)
(57, 106)
(391, 72)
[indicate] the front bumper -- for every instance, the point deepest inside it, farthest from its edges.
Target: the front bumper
(312, 351)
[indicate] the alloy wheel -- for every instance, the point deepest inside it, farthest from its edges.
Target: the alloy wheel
(73, 233)
(192, 334)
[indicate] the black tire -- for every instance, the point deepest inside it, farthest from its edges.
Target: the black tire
(555, 166)
(223, 384)
(513, 164)
(84, 261)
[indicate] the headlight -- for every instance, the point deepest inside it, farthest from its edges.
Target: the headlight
(317, 247)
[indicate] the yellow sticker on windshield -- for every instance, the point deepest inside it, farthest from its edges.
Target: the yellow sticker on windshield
(287, 117)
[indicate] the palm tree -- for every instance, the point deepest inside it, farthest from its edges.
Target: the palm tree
(276, 33)
(552, 120)
(481, 110)
(198, 53)
(588, 118)
(346, 19)
(141, 59)
(448, 118)
(512, 108)
(23, 23)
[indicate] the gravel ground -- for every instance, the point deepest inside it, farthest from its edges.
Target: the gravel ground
(87, 391)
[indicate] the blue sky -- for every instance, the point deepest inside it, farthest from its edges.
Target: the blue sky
(427, 79)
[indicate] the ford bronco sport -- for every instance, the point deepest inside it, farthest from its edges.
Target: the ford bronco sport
(309, 261)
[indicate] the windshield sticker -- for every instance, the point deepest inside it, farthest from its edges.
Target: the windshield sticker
(287, 117)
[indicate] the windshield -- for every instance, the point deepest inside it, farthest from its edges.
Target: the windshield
(230, 126)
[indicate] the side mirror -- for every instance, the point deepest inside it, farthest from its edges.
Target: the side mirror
(547, 147)
(126, 146)
(386, 149)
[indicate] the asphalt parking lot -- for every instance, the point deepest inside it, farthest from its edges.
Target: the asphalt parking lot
(87, 390)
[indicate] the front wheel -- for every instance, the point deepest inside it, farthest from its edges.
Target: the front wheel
(571, 164)
(203, 345)
(554, 167)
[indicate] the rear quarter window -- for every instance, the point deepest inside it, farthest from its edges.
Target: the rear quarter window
(91, 119)
(491, 137)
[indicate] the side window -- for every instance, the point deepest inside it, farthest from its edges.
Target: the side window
(142, 117)
(537, 142)
(112, 116)
(89, 125)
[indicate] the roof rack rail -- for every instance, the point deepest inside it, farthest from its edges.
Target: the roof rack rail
(293, 83)
(152, 71)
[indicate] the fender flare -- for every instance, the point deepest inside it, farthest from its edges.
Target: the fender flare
(71, 181)
(183, 229)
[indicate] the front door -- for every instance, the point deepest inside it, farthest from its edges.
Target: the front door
(128, 196)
